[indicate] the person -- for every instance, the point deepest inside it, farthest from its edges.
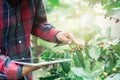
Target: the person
(18, 20)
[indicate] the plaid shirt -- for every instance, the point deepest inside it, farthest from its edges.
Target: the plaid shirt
(17, 22)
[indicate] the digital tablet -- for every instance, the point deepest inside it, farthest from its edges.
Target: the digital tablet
(40, 61)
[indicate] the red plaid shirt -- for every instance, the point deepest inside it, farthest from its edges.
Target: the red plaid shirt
(17, 22)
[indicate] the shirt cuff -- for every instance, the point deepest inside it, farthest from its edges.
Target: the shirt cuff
(12, 71)
(19, 72)
(52, 35)
(55, 38)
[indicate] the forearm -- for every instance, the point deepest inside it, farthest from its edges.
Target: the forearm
(27, 69)
(45, 31)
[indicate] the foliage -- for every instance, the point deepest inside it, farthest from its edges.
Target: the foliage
(99, 58)
(97, 61)
(51, 4)
(111, 6)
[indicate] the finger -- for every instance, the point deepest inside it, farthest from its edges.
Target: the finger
(71, 38)
(64, 39)
(69, 41)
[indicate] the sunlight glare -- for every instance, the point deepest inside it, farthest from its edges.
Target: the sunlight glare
(85, 19)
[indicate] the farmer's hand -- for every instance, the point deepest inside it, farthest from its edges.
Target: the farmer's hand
(28, 69)
(66, 37)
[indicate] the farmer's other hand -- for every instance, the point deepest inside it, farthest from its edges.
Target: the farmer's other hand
(67, 38)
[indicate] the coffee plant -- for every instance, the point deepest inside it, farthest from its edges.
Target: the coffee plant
(96, 60)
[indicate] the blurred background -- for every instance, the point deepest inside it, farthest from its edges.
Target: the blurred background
(81, 18)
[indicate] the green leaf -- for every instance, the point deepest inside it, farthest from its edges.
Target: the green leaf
(97, 29)
(94, 52)
(104, 2)
(115, 5)
(117, 48)
(46, 54)
(97, 72)
(88, 37)
(118, 63)
(78, 78)
(115, 77)
(111, 11)
(111, 6)
(100, 39)
(54, 3)
(76, 60)
(80, 58)
(115, 42)
(110, 63)
(52, 77)
(49, 55)
(81, 73)
(108, 32)
(65, 65)
(86, 50)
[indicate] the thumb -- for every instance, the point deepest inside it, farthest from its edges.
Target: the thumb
(66, 40)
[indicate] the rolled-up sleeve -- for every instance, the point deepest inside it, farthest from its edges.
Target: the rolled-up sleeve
(10, 69)
(41, 27)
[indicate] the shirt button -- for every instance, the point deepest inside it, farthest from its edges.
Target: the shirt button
(18, 24)
(20, 41)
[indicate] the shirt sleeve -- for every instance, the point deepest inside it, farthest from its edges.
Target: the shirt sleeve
(9, 68)
(41, 28)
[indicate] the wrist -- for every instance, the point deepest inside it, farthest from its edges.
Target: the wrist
(28, 69)
(56, 38)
